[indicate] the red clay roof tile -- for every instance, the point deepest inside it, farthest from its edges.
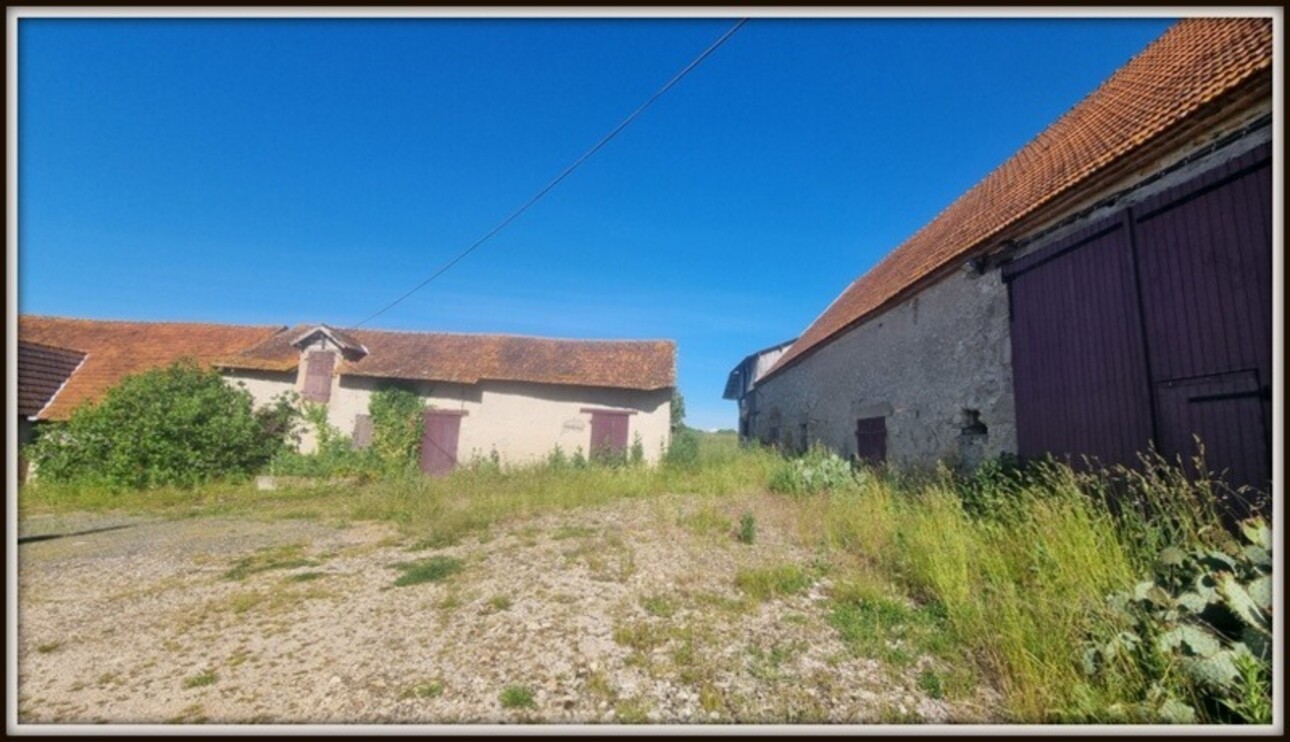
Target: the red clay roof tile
(42, 371)
(116, 349)
(1190, 65)
(468, 358)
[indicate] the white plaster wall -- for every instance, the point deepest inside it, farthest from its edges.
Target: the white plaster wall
(522, 421)
(263, 385)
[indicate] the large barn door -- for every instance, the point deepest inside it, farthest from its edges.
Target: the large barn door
(1077, 355)
(439, 441)
(1205, 261)
(1154, 326)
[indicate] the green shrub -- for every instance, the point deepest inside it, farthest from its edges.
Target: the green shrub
(683, 451)
(747, 528)
(334, 454)
(1202, 628)
(180, 426)
(819, 470)
(397, 425)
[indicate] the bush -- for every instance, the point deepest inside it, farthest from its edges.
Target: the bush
(683, 451)
(819, 470)
(397, 424)
(181, 425)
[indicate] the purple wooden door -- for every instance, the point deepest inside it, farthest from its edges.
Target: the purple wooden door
(1205, 262)
(1154, 326)
(608, 433)
(1079, 372)
(439, 442)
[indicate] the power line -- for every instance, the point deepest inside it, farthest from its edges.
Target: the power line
(567, 171)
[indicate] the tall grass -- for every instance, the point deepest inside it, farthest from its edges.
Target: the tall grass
(1024, 587)
(441, 509)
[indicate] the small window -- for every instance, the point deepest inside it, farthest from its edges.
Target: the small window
(871, 439)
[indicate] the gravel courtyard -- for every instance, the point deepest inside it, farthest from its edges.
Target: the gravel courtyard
(629, 613)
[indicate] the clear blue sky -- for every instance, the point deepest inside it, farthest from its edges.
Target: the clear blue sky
(283, 171)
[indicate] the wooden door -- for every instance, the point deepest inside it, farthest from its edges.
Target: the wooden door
(608, 434)
(439, 441)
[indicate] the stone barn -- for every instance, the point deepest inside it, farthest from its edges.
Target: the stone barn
(1106, 289)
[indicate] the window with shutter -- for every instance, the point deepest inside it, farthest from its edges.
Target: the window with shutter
(871, 439)
(318, 367)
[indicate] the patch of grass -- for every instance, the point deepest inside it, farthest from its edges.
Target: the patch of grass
(766, 583)
(436, 541)
(306, 576)
(632, 710)
(517, 697)
(498, 603)
(434, 569)
(747, 528)
(269, 558)
(200, 680)
(567, 531)
(430, 689)
(48, 647)
(658, 605)
(706, 521)
(641, 636)
(930, 683)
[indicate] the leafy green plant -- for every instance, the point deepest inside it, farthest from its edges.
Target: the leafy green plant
(683, 451)
(636, 454)
(397, 425)
(181, 425)
(1207, 612)
(819, 470)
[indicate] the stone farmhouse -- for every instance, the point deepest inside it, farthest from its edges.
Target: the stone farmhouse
(517, 396)
(1106, 289)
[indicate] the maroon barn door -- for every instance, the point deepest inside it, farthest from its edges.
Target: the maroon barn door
(1154, 326)
(1079, 372)
(608, 433)
(1205, 261)
(439, 441)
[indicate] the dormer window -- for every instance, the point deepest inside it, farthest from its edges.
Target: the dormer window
(318, 368)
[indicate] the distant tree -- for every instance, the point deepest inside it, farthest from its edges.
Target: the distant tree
(678, 411)
(179, 425)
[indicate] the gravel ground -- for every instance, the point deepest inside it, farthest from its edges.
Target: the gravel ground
(623, 614)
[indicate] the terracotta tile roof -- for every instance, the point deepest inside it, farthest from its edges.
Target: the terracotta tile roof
(1190, 65)
(116, 349)
(466, 358)
(42, 371)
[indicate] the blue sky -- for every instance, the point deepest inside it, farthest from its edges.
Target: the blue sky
(283, 171)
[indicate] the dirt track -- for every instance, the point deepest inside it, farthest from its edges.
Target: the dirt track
(627, 613)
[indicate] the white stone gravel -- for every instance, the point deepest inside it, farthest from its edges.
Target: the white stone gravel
(118, 626)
